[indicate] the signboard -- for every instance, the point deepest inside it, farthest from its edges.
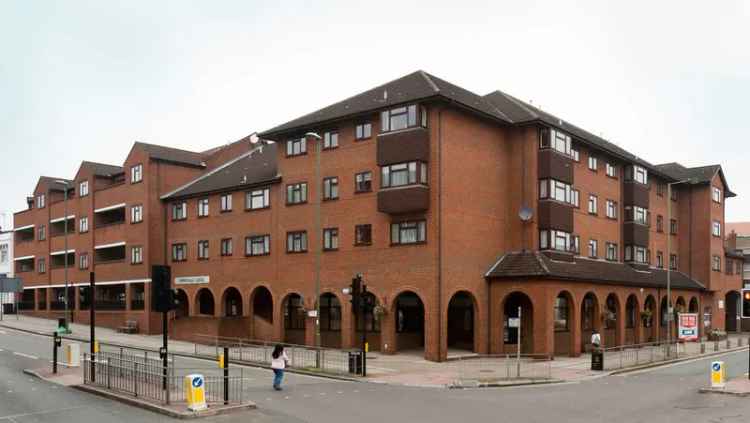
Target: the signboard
(687, 329)
(718, 374)
(745, 304)
(195, 392)
(11, 285)
(721, 304)
(514, 322)
(312, 313)
(191, 280)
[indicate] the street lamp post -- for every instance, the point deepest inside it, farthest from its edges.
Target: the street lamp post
(319, 248)
(669, 260)
(65, 236)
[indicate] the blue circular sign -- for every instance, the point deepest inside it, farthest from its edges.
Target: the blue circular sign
(197, 382)
(716, 367)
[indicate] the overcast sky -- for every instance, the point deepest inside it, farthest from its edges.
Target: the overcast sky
(83, 80)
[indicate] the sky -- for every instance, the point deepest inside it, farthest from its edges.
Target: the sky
(83, 80)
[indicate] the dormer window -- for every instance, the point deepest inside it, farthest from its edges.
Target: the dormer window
(555, 140)
(403, 117)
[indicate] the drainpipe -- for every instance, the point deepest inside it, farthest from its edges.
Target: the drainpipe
(440, 235)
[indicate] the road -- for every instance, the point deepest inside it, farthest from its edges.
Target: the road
(667, 394)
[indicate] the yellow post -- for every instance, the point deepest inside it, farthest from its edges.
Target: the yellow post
(221, 361)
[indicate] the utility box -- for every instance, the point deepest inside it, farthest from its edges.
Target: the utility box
(597, 359)
(195, 392)
(355, 362)
(72, 355)
(718, 374)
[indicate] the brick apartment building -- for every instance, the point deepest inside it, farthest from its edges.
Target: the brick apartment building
(423, 185)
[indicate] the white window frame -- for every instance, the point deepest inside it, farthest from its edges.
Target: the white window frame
(203, 207)
(251, 242)
(593, 163)
(136, 214)
(136, 173)
(716, 228)
(551, 239)
(330, 139)
(593, 205)
(203, 249)
(40, 201)
(261, 198)
(593, 248)
(226, 202)
(83, 188)
(611, 209)
(182, 214)
(136, 255)
(83, 224)
(296, 147)
(610, 170)
(716, 195)
(611, 251)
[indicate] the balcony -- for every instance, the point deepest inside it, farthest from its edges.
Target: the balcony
(24, 264)
(403, 146)
(635, 234)
(57, 226)
(553, 165)
(555, 215)
(402, 200)
(109, 253)
(110, 234)
(107, 216)
(635, 194)
(23, 234)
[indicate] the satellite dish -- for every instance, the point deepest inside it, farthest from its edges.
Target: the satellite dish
(525, 213)
(254, 138)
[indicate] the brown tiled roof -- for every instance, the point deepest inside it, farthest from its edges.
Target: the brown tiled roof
(102, 169)
(253, 168)
(537, 265)
(696, 175)
(174, 155)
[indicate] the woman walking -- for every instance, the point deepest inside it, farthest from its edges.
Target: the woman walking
(278, 364)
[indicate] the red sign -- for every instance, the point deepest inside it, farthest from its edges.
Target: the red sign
(688, 326)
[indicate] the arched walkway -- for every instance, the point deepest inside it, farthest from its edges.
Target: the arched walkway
(330, 321)
(612, 316)
(294, 319)
(632, 320)
(409, 321)
(232, 303)
(694, 306)
(461, 321)
(663, 321)
(205, 302)
(563, 315)
(733, 309)
(513, 302)
(261, 306)
(589, 320)
(183, 304)
(649, 316)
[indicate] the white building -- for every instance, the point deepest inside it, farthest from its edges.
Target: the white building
(6, 253)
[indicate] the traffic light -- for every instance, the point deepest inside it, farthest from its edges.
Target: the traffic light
(354, 290)
(163, 298)
(746, 303)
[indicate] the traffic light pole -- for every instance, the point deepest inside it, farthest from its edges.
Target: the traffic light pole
(165, 359)
(363, 314)
(92, 324)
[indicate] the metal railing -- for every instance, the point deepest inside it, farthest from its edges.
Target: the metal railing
(501, 368)
(621, 357)
(146, 378)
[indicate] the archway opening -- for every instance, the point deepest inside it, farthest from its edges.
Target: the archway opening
(562, 313)
(733, 309)
(649, 313)
(589, 320)
(330, 321)
(632, 320)
(205, 300)
(461, 322)
(261, 302)
(183, 304)
(294, 319)
(663, 319)
(694, 306)
(232, 303)
(514, 303)
(409, 321)
(611, 318)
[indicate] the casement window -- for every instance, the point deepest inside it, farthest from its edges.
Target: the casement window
(330, 188)
(296, 242)
(136, 173)
(259, 245)
(409, 232)
(363, 234)
(41, 233)
(729, 266)
(637, 215)
(226, 203)
(403, 117)
(716, 263)
(226, 247)
(660, 189)
(83, 189)
(555, 140)
(637, 254)
(83, 261)
(136, 214)
(716, 195)
(575, 198)
(41, 265)
(593, 163)
(575, 155)
(296, 147)
(261, 198)
(363, 131)
(203, 207)
(659, 259)
(611, 209)
(593, 204)
(593, 248)
(331, 239)
(179, 252)
(559, 191)
(673, 261)
(40, 201)
(203, 250)
(575, 244)
(611, 170)
(363, 182)
(636, 173)
(673, 227)
(296, 193)
(401, 174)
(611, 253)
(659, 223)
(716, 228)
(330, 140)
(179, 211)
(555, 240)
(83, 224)
(674, 194)
(136, 255)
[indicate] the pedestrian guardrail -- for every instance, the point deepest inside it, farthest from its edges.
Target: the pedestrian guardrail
(501, 368)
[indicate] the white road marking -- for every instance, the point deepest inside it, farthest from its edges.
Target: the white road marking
(2, 332)
(1, 350)
(26, 355)
(37, 413)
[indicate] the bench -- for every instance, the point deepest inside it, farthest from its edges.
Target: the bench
(131, 326)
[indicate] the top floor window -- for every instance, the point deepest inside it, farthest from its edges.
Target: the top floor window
(716, 195)
(593, 163)
(226, 203)
(716, 228)
(640, 215)
(575, 155)
(259, 198)
(402, 118)
(136, 173)
(660, 188)
(363, 131)
(556, 190)
(556, 140)
(396, 175)
(179, 211)
(296, 147)
(40, 199)
(83, 189)
(330, 139)
(611, 171)
(203, 207)
(637, 173)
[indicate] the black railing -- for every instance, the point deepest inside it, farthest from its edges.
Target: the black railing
(26, 305)
(110, 305)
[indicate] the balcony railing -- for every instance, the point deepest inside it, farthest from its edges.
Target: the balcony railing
(106, 225)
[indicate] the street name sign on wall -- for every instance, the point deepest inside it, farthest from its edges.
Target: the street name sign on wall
(191, 280)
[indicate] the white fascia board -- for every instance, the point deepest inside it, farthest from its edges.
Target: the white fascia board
(21, 228)
(61, 219)
(62, 285)
(114, 244)
(108, 208)
(23, 258)
(57, 253)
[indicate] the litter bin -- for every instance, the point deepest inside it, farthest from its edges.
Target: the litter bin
(355, 362)
(597, 359)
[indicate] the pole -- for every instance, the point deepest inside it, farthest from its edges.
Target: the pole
(319, 247)
(54, 352)
(363, 307)
(669, 267)
(65, 225)
(92, 324)
(226, 375)
(165, 359)
(518, 348)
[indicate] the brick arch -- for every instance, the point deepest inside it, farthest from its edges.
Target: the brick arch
(239, 309)
(457, 336)
(632, 316)
(650, 328)
(527, 320)
(565, 340)
(406, 323)
(183, 308)
(201, 294)
(613, 335)
(295, 334)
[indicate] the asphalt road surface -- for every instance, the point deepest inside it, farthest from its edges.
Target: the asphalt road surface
(668, 394)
